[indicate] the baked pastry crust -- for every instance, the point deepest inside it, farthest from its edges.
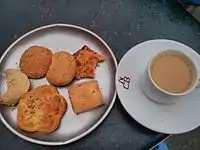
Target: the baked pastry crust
(85, 96)
(41, 110)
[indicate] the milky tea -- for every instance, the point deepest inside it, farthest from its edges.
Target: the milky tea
(173, 71)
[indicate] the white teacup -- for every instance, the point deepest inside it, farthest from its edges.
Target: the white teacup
(193, 66)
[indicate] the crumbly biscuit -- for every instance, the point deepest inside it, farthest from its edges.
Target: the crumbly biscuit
(41, 110)
(87, 61)
(35, 61)
(62, 69)
(17, 85)
(85, 96)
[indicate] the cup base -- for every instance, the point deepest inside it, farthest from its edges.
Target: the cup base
(154, 94)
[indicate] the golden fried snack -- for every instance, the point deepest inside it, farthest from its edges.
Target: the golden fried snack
(86, 60)
(85, 96)
(35, 61)
(41, 110)
(17, 85)
(62, 69)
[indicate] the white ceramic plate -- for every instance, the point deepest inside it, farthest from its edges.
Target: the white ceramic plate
(68, 38)
(177, 117)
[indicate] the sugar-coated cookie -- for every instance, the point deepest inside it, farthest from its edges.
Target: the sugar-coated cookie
(35, 61)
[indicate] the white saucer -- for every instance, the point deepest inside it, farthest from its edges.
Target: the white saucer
(178, 116)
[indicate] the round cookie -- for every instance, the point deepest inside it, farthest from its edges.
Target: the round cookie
(35, 61)
(62, 69)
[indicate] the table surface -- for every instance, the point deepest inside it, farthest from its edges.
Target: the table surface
(122, 24)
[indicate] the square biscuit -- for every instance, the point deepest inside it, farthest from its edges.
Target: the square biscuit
(85, 96)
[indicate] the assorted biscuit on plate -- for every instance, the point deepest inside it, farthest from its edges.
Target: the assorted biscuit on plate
(87, 61)
(85, 96)
(17, 85)
(35, 61)
(42, 108)
(62, 69)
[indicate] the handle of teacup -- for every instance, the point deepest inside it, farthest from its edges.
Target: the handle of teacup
(198, 84)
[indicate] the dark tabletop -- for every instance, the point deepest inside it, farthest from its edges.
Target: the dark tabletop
(122, 24)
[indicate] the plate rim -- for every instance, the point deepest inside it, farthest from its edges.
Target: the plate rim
(116, 82)
(94, 126)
